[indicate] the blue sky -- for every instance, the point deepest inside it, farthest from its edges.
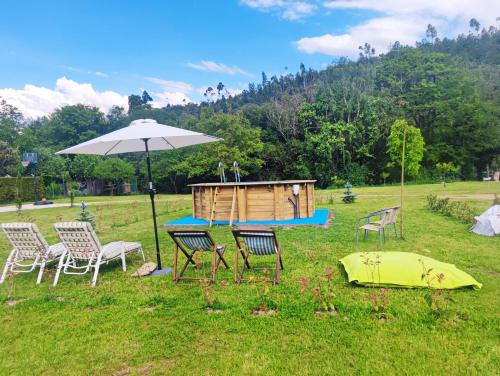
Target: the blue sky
(97, 52)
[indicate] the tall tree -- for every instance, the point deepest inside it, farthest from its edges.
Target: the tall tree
(406, 147)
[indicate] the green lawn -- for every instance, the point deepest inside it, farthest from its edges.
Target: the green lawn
(152, 326)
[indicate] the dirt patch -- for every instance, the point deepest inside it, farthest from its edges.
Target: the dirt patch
(477, 196)
(122, 372)
(13, 302)
(214, 310)
(320, 312)
(144, 369)
(149, 308)
(264, 312)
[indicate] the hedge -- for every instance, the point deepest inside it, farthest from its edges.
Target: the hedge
(8, 189)
(456, 209)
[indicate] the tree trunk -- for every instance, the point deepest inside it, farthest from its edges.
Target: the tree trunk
(402, 182)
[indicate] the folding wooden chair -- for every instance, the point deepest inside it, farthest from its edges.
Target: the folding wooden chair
(257, 243)
(189, 242)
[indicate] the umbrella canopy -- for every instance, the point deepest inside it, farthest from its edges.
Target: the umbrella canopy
(131, 139)
(143, 135)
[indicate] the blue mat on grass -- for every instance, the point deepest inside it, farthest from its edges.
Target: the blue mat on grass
(320, 217)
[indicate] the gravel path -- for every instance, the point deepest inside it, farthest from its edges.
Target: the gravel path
(12, 208)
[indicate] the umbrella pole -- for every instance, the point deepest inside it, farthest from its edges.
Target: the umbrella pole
(159, 270)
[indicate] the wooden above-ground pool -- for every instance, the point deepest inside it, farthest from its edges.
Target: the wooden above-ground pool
(253, 201)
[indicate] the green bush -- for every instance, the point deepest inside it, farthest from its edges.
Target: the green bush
(53, 190)
(8, 189)
(455, 209)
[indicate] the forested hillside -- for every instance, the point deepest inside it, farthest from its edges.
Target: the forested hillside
(327, 125)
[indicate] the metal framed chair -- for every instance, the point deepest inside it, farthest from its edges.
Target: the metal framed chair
(189, 242)
(29, 250)
(256, 243)
(387, 217)
(84, 252)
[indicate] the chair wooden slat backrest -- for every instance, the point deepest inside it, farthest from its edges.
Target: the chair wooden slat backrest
(26, 239)
(79, 239)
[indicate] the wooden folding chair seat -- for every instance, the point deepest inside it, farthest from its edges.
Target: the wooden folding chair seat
(256, 243)
(189, 242)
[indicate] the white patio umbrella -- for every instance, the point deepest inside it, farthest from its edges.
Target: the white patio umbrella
(143, 135)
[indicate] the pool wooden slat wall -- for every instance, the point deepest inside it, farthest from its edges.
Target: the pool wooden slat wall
(254, 200)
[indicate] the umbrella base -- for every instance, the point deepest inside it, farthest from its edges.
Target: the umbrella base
(159, 272)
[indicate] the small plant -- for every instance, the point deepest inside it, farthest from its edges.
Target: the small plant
(435, 298)
(212, 304)
(322, 292)
(85, 215)
(446, 170)
(372, 266)
(19, 195)
(265, 305)
(72, 188)
(379, 300)
(384, 175)
(198, 260)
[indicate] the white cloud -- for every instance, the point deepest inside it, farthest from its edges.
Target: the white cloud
(35, 101)
(179, 86)
(291, 10)
(86, 71)
(379, 32)
(404, 21)
(212, 66)
(173, 92)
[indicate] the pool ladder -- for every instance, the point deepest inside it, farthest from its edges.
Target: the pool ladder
(215, 210)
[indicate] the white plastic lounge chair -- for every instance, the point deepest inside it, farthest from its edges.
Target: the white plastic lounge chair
(84, 251)
(28, 245)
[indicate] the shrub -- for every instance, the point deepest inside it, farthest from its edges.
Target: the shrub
(25, 186)
(54, 190)
(456, 209)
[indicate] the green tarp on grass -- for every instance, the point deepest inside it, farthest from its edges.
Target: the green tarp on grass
(404, 269)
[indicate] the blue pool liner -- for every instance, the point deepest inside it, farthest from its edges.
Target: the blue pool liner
(320, 217)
